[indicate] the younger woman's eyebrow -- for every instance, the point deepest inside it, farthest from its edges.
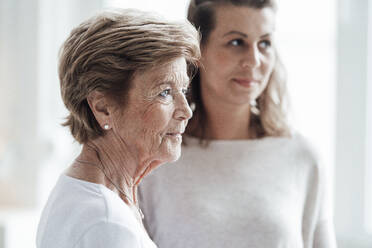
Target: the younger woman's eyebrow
(266, 35)
(236, 32)
(243, 34)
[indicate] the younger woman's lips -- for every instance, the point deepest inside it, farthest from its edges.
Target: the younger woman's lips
(245, 82)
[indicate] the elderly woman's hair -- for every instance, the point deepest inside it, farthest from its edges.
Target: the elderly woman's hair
(272, 103)
(105, 52)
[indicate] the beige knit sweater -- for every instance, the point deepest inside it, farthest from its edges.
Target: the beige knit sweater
(264, 193)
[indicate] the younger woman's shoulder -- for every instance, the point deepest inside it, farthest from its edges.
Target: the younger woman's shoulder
(304, 148)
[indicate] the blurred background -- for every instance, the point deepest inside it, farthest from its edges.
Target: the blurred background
(326, 46)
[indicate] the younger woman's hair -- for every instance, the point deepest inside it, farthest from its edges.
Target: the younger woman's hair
(272, 103)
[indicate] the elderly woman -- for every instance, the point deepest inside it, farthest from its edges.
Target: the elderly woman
(244, 179)
(124, 75)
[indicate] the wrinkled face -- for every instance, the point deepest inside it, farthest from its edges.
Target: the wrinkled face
(238, 57)
(157, 112)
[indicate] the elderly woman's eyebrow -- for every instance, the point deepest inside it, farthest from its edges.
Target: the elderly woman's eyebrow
(173, 80)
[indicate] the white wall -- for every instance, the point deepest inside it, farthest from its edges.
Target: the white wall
(18, 70)
(307, 42)
(351, 129)
(368, 177)
(171, 9)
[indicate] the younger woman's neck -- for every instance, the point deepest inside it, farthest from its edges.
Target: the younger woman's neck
(225, 122)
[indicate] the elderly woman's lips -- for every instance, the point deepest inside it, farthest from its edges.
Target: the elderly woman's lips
(174, 135)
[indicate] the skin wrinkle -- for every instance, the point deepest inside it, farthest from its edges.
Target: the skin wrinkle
(172, 80)
(137, 141)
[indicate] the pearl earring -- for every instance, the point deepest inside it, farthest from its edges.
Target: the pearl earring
(106, 126)
(192, 106)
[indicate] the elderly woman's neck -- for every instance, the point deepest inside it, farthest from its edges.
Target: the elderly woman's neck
(108, 161)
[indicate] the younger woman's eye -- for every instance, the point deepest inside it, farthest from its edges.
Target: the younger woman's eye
(265, 44)
(236, 42)
(165, 93)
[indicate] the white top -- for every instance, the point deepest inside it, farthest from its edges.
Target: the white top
(262, 193)
(80, 214)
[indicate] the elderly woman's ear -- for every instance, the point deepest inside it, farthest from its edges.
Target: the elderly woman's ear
(101, 108)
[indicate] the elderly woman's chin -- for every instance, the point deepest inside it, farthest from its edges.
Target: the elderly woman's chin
(167, 153)
(172, 150)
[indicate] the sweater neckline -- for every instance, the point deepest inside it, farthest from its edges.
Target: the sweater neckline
(194, 140)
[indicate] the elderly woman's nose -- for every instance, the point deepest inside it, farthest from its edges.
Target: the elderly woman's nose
(183, 110)
(251, 58)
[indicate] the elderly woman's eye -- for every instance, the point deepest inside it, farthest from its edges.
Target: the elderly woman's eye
(185, 91)
(236, 42)
(165, 93)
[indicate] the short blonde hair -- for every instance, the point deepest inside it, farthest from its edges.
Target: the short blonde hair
(104, 53)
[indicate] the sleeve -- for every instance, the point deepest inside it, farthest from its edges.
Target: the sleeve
(111, 235)
(318, 227)
(324, 234)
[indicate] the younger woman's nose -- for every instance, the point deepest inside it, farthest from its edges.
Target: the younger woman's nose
(251, 58)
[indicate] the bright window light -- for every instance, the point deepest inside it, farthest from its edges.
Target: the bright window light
(174, 10)
(368, 174)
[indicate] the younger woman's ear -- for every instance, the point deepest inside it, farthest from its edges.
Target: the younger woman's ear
(100, 107)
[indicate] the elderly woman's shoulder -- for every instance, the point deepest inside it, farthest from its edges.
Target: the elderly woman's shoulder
(90, 212)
